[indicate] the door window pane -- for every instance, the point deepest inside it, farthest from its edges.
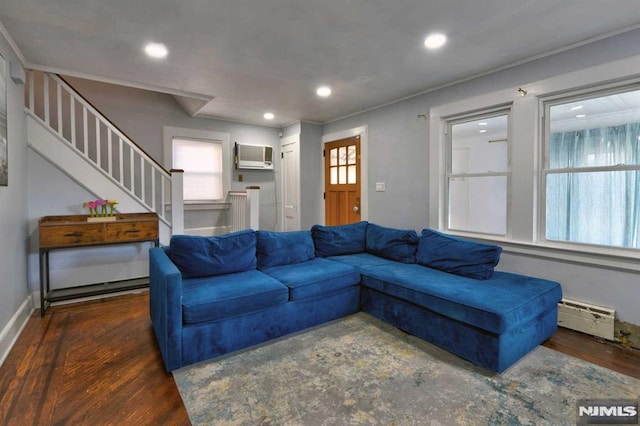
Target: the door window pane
(342, 175)
(351, 175)
(342, 155)
(352, 154)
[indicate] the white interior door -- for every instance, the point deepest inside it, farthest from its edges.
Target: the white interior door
(290, 149)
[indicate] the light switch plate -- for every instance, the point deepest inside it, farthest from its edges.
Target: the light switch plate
(380, 187)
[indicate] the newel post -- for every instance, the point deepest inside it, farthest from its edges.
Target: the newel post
(177, 202)
(253, 203)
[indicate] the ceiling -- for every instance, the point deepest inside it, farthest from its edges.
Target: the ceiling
(237, 59)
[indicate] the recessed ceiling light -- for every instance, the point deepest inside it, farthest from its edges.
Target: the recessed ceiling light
(435, 41)
(581, 115)
(483, 131)
(482, 124)
(268, 116)
(156, 50)
(323, 91)
(576, 107)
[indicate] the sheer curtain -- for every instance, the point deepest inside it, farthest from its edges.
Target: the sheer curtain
(595, 207)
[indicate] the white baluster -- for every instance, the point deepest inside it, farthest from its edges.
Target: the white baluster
(98, 146)
(85, 129)
(45, 90)
(59, 107)
(109, 152)
(32, 90)
(72, 113)
(121, 161)
(142, 181)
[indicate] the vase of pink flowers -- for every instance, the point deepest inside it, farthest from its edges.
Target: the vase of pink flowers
(101, 210)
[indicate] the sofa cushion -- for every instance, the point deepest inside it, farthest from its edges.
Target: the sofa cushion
(197, 256)
(338, 240)
(283, 248)
(456, 255)
(496, 305)
(395, 244)
(211, 298)
(315, 277)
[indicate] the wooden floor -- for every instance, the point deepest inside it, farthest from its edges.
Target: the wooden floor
(98, 363)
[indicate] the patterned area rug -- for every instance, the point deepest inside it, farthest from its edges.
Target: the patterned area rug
(361, 371)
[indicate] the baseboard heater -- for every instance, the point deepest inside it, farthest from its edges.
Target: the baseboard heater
(595, 320)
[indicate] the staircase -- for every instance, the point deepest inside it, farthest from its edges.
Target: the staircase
(72, 134)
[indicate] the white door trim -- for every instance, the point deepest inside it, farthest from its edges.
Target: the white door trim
(361, 131)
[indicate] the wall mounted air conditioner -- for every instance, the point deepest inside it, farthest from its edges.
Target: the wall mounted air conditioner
(256, 157)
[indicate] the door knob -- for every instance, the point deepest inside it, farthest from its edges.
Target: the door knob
(356, 209)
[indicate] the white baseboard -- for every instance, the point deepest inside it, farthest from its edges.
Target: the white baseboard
(12, 330)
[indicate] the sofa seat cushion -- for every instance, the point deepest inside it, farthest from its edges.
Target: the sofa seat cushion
(315, 277)
(363, 261)
(496, 305)
(211, 298)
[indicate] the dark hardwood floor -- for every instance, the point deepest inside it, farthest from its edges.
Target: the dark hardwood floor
(91, 363)
(98, 363)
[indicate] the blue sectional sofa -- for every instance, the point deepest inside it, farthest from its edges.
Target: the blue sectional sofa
(213, 295)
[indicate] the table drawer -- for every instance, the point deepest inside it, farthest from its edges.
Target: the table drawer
(131, 231)
(71, 235)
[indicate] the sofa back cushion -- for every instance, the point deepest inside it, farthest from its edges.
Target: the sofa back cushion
(394, 244)
(339, 240)
(456, 255)
(197, 256)
(283, 248)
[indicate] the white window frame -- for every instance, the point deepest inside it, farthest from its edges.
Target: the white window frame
(546, 102)
(462, 118)
(169, 133)
(526, 162)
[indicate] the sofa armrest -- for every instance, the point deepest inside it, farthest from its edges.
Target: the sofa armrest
(165, 306)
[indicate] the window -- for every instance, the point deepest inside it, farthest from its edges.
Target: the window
(478, 173)
(592, 169)
(203, 168)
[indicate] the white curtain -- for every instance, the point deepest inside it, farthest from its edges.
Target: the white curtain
(595, 207)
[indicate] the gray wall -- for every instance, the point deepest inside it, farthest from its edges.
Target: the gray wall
(141, 114)
(398, 155)
(13, 205)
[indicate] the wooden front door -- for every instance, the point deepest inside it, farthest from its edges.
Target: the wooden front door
(342, 181)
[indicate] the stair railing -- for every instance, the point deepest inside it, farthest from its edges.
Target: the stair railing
(54, 103)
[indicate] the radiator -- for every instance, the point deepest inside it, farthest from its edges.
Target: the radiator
(595, 320)
(244, 209)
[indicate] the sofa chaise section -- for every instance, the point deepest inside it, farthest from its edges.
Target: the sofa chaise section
(491, 323)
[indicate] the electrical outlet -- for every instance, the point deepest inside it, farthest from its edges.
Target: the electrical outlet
(240, 178)
(380, 187)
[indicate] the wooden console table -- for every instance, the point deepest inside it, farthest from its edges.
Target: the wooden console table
(63, 232)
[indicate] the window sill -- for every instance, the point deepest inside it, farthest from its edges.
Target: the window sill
(202, 205)
(627, 260)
